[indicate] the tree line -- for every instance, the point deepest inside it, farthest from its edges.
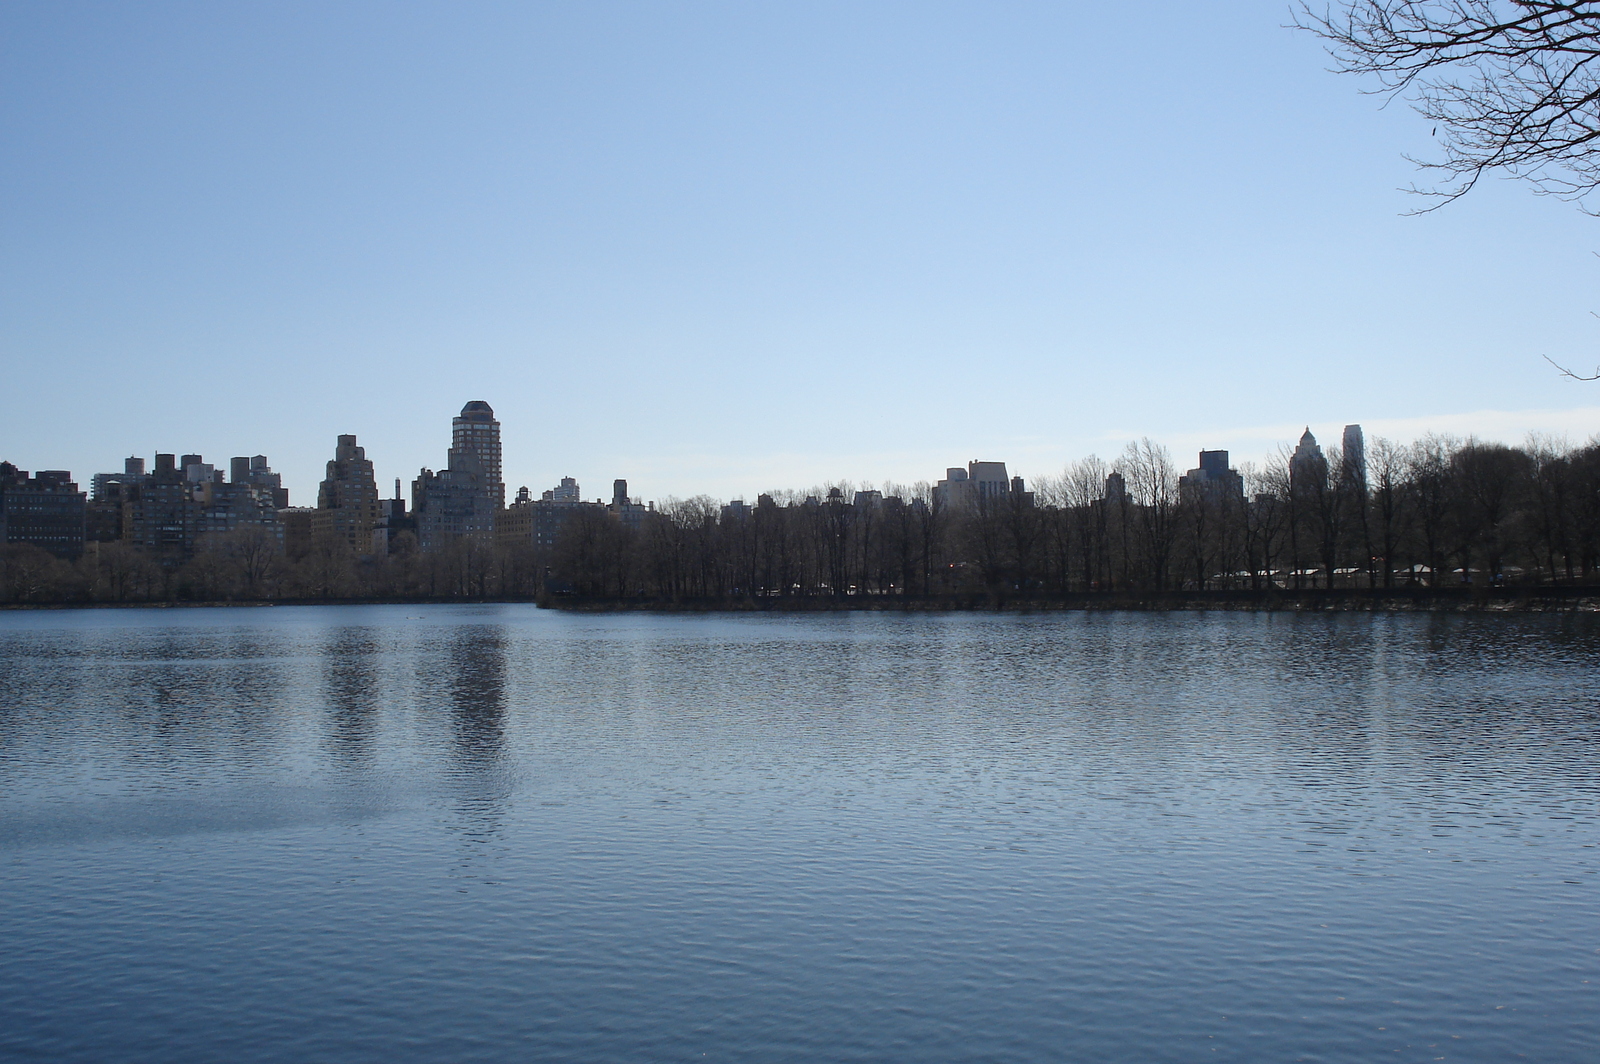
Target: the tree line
(1437, 513)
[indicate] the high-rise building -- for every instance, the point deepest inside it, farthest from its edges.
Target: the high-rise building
(347, 500)
(1308, 467)
(979, 483)
(1353, 457)
(46, 510)
(475, 431)
(464, 498)
(1213, 477)
(160, 513)
(1117, 489)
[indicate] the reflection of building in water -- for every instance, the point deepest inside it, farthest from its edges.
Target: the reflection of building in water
(350, 676)
(477, 689)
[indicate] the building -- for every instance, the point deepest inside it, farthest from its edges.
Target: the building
(258, 474)
(46, 510)
(392, 521)
(1308, 467)
(630, 512)
(160, 513)
(475, 431)
(980, 484)
(867, 500)
(1353, 457)
(105, 486)
(565, 492)
(538, 521)
(168, 510)
(226, 507)
(515, 524)
(466, 497)
(297, 522)
(1117, 493)
(347, 499)
(1213, 478)
(452, 503)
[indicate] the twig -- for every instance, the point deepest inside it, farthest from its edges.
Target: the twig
(1565, 372)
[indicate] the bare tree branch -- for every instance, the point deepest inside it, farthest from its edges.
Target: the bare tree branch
(1512, 85)
(1565, 372)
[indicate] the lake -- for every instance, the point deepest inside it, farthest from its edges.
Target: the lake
(494, 833)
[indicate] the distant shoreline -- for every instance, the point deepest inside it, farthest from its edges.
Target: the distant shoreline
(1576, 599)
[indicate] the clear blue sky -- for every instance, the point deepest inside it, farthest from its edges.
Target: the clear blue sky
(728, 247)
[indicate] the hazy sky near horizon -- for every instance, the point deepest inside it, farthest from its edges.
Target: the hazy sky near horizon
(725, 247)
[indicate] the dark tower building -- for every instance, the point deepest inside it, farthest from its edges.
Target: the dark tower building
(464, 498)
(1308, 467)
(1353, 457)
(347, 501)
(476, 432)
(1213, 477)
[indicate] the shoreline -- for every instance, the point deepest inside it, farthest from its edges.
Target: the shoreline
(1575, 599)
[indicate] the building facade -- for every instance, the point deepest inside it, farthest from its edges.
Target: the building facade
(1353, 457)
(1213, 478)
(980, 484)
(347, 500)
(160, 513)
(46, 510)
(476, 432)
(1308, 466)
(466, 497)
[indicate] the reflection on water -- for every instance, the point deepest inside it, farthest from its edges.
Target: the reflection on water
(479, 832)
(354, 692)
(476, 680)
(477, 686)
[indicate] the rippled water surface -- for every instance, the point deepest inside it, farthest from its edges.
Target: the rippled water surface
(493, 833)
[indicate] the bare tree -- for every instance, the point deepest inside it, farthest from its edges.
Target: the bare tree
(1390, 502)
(1153, 483)
(1513, 85)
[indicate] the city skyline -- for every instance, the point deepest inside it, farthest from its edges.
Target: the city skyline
(303, 487)
(724, 250)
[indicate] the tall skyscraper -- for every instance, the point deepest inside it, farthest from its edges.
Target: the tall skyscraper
(347, 500)
(1308, 466)
(1353, 460)
(464, 498)
(476, 432)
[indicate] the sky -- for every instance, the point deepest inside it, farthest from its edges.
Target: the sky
(723, 248)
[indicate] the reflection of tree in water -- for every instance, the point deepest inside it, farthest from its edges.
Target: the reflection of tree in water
(349, 670)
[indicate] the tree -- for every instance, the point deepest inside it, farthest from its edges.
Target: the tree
(1153, 483)
(1513, 85)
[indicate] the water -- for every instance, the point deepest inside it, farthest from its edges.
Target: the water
(493, 833)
